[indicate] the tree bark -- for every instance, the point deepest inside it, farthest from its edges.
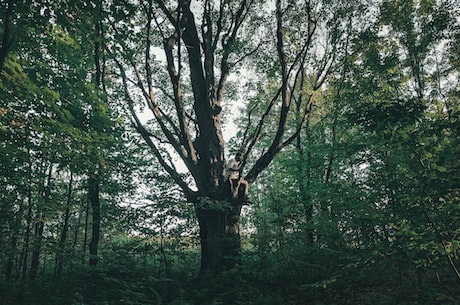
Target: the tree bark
(219, 235)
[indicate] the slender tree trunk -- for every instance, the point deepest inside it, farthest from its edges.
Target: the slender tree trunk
(304, 174)
(65, 228)
(8, 234)
(7, 39)
(93, 192)
(25, 249)
(162, 247)
(308, 205)
(11, 254)
(14, 260)
(77, 226)
(10, 262)
(85, 230)
(39, 227)
(330, 158)
(94, 179)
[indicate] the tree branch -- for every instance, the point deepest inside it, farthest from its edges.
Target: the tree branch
(146, 136)
(286, 100)
(174, 76)
(227, 45)
(166, 11)
(245, 137)
(147, 51)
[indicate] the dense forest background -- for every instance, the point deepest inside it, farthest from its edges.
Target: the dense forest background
(362, 207)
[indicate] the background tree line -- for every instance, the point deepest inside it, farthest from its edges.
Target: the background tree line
(361, 207)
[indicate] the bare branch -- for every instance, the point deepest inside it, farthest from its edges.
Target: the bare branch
(227, 43)
(206, 33)
(286, 101)
(174, 75)
(148, 42)
(324, 70)
(167, 12)
(146, 136)
(307, 109)
(258, 131)
(165, 92)
(219, 25)
(244, 56)
(159, 115)
(245, 140)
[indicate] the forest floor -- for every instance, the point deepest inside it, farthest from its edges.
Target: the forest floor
(123, 286)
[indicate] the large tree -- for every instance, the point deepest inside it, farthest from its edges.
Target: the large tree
(276, 44)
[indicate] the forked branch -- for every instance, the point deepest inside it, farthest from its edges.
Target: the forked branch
(146, 136)
(286, 95)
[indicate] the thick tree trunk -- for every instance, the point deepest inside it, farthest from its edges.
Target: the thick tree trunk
(93, 192)
(219, 235)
